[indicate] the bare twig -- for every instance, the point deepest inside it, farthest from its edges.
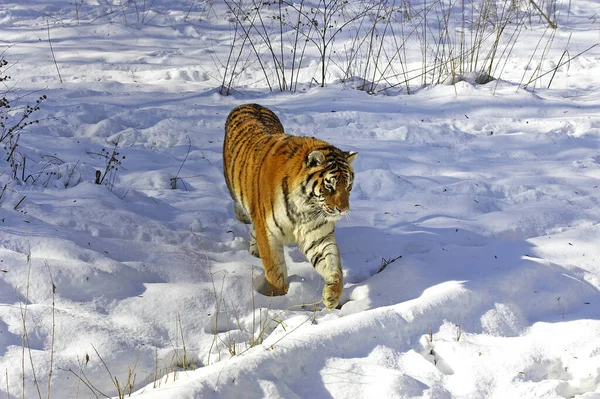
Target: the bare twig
(87, 383)
(385, 262)
(52, 336)
(552, 24)
(52, 51)
(19, 203)
(563, 63)
(174, 179)
(25, 336)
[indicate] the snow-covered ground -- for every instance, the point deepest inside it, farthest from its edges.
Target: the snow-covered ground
(471, 255)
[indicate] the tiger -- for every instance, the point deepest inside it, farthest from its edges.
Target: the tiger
(291, 189)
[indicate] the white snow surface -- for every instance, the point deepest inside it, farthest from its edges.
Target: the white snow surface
(487, 196)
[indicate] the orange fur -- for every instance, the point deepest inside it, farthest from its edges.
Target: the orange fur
(291, 189)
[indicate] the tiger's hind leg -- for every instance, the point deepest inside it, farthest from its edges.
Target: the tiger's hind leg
(242, 216)
(273, 261)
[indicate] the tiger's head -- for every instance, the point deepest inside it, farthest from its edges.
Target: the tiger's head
(330, 178)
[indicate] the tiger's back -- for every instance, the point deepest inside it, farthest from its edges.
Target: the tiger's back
(258, 157)
(291, 189)
(249, 130)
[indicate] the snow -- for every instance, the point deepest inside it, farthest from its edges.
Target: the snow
(470, 256)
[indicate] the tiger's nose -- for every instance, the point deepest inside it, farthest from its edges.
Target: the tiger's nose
(343, 205)
(341, 209)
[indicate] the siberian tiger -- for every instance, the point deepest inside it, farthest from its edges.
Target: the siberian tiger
(291, 189)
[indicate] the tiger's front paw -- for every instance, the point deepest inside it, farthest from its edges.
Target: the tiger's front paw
(332, 292)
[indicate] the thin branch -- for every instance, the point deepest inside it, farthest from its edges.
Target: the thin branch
(53, 328)
(552, 24)
(52, 51)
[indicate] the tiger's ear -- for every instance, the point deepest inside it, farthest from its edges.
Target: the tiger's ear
(315, 158)
(351, 156)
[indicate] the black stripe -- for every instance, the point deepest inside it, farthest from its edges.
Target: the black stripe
(256, 179)
(327, 246)
(254, 183)
(269, 122)
(326, 148)
(292, 151)
(311, 175)
(322, 255)
(312, 190)
(286, 200)
(266, 148)
(238, 144)
(276, 223)
(316, 260)
(318, 242)
(245, 164)
(318, 226)
(237, 158)
(272, 199)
